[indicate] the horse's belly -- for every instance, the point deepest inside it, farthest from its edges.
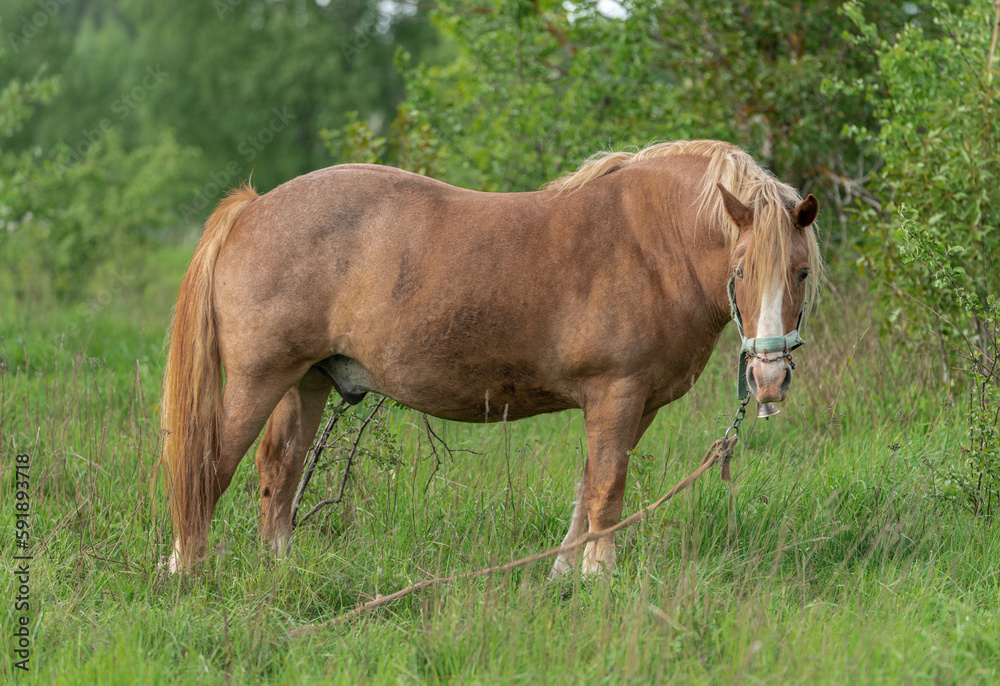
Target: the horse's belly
(500, 403)
(473, 399)
(461, 392)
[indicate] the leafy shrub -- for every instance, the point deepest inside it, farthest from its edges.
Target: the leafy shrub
(77, 212)
(923, 246)
(410, 143)
(937, 244)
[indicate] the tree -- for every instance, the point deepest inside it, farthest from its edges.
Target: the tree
(69, 212)
(247, 82)
(536, 87)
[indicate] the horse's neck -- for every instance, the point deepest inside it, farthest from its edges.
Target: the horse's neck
(705, 275)
(713, 272)
(691, 256)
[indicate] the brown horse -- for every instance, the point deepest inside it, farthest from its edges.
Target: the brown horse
(606, 291)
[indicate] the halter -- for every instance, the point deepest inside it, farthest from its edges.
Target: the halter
(759, 347)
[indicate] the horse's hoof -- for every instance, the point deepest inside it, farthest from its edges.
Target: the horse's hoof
(560, 569)
(172, 563)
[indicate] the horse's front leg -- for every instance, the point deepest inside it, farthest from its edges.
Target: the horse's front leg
(579, 523)
(613, 415)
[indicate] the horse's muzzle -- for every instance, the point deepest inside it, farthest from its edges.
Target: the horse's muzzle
(768, 380)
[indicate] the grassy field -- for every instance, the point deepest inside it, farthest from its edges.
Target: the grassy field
(829, 561)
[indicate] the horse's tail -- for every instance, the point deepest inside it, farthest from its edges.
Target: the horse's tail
(192, 389)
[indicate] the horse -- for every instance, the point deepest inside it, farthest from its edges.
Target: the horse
(606, 290)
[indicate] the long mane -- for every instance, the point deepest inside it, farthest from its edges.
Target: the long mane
(743, 177)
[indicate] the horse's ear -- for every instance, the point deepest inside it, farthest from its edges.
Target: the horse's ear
(741, 215)
(805, 213)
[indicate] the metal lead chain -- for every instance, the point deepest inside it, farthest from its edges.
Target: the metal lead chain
(740, 413)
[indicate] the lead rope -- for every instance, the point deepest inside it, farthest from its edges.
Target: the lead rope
(733, 429)
(721, 452)
(727, 477)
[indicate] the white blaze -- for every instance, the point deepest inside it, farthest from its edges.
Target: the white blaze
(769, 322)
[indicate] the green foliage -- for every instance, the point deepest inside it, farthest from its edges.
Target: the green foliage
(410, 144)
(77, 218)
(979, 484)
(937, 136)
(535, 88)
(939, 142)
(356, 142)
(17, 101)
(224, 66)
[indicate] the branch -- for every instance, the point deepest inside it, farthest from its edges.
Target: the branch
(854, 187)
(432, 436)
(720, 451)
(347, 468)
(338, 412)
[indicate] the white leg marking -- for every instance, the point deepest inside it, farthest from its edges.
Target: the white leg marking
(599, 557)
(577, 527)
(282, 544)
(173, 563)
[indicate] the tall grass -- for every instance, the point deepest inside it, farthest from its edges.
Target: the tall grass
(827, 561)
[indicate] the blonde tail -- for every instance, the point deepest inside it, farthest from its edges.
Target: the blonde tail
(192, 389)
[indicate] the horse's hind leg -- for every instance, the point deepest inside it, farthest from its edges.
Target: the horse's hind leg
(290, 430)
(246, 403)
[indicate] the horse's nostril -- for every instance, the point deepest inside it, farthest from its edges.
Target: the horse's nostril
(787, 381)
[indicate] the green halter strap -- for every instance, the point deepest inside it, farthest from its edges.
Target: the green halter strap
(755, 347)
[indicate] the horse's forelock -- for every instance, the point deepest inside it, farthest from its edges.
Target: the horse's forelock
(769, 252)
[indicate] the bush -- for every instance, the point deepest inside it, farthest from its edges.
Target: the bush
(980, 354)
(78, 212)
(937, 244)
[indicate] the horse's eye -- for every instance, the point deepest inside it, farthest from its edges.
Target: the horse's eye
(737, 271)
(803, 275)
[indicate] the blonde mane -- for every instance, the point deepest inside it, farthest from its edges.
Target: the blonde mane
(743, 177)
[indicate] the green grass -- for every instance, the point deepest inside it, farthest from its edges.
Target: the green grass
(827, 562)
